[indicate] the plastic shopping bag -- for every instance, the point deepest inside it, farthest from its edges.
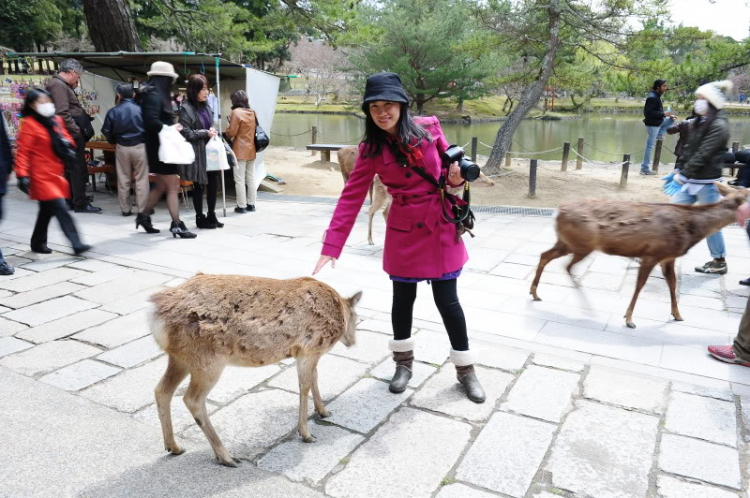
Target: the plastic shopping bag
(216, 155)
(173, 148)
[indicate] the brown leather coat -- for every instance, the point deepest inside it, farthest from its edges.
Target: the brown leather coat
(242, 133)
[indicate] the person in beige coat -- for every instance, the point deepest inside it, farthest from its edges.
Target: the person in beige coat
(242, 133)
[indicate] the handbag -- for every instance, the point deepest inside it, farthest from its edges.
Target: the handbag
(261, 139)
(216, 155)
(173, 148)
(231, 157)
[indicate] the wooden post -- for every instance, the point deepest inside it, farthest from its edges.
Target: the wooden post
(657, 155)
(579, 159)
(532, 178)
(507, 159)
(735, 147)
(625, 167)
(474, 145)
(566, 155)
(314, 137)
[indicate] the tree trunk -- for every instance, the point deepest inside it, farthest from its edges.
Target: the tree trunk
(460, 107)
(111, 26)
(530, 96)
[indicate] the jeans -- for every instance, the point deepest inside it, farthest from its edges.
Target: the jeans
(653, 133)
(446, 298)
(58, 209)
(707, 195)
(244, 182)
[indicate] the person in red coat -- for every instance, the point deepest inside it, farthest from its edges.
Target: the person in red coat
(420, 244)
(44, 146)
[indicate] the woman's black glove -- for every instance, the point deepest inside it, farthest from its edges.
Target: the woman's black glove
(24, 184)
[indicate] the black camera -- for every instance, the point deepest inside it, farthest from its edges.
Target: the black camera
(469, 170)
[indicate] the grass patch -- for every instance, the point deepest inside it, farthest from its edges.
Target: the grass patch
(446, 481)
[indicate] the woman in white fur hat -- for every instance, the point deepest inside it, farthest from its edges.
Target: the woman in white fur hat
(701, 164)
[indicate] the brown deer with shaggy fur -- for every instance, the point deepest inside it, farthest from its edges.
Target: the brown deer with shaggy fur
(657, 233)
(212, 321)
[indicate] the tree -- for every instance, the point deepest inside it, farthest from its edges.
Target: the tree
(27, 25)
(322, 68)
(111, 26)
(425, 42)
(539, 31)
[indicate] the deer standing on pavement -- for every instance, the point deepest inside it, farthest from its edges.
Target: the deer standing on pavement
(657, 233)
(212, 321)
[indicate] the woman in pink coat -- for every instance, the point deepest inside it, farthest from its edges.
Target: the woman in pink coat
(420, 244)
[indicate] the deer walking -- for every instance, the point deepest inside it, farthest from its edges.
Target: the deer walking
(212, 321)
(657, 233)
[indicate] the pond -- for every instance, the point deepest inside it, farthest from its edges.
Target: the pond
(607, 137)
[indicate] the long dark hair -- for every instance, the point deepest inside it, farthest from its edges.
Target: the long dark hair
(62, 148)
(408, 132)
(32, 95)
(239, 99)
(196, 83)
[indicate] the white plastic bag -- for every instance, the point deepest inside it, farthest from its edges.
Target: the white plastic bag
(173, 148)
(216, 155)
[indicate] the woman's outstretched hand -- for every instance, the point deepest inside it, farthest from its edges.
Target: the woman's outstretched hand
(324, 261)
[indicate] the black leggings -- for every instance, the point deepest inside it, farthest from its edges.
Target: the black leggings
(446, 298)
(211, 191)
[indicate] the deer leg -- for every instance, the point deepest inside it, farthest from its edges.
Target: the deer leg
(202, 380)
(577, 257)
(305, 373)
(176, 373)
(667, 268)
(643, 273)
(558, 251)
(317, 398)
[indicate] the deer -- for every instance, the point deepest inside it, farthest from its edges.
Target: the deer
(379, 196)
(212, 321)
(656, 233)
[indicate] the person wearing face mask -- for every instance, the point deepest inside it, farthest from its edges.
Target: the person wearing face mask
(196, 119)
(44, 148)
(78, 124)
(700, 165)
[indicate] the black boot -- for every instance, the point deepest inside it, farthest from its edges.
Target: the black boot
(202, 222)
(404, 361)
(212, 219)
(179, 229)
(468, 378)
(144, 220)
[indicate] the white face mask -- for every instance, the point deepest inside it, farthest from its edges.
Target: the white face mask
(701, 107)
(47, 110)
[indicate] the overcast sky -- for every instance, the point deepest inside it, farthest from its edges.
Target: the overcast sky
(726, 17)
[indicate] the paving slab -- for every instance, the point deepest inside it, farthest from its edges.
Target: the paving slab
(432, 347)
(420, 372)
(724, 395)
(46, 264)
(254, 422)
(626, 389)
(92, 265)
(408, 456)
(382, 326)
(65, 327)
(79, 375)
(10, 345)
(548, 360)
(462, 491)
(443, 393)
(507, 453)
(335, 374)
(46, 293)
(236, 381)
(123, 287)
(38, 280)
(604, 452)
(102, 276)
(117, 332)
(131, 390)
(542, 393)
(669, 487)
(365, 405)
(371, 347)
(10, 327)
(181, 416)
(48, 311)
(310, 463)
(707, 462)
(132, 303)
(509, 359)
(703, 418)
(48, 357)
(132, 353)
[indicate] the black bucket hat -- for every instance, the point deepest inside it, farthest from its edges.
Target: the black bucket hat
(384, 86)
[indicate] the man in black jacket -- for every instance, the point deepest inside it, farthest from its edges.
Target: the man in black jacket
(124, 126)
(654, 119)
(6, 160)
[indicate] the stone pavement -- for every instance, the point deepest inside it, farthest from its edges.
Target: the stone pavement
(578, 404)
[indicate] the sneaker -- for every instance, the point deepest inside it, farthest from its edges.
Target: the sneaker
(726, 354)
(714, 267)
(648, 172)
(6, 269)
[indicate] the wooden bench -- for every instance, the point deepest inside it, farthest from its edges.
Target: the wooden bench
(109, 160)
(325, 149)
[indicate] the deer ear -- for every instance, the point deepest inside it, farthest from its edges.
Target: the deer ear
(723, 189)
(355, 298)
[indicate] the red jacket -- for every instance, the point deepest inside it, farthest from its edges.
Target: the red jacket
(419, 242)
(37, 160)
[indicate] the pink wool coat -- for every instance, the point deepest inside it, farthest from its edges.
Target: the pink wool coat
(419, 242)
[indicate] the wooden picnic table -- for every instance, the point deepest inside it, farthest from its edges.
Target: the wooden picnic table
(325, 149)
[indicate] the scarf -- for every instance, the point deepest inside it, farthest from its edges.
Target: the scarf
(62, 148)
